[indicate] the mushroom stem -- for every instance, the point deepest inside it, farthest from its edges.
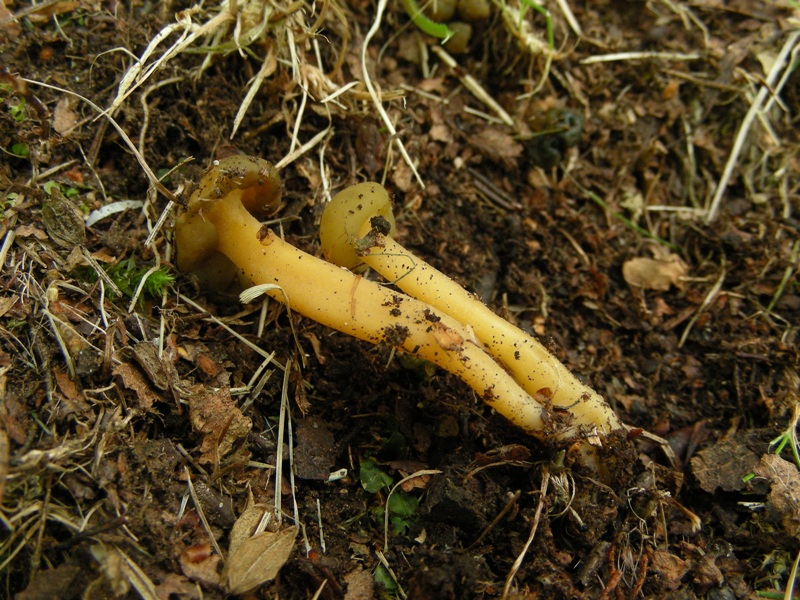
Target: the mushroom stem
(530, 363)
(339, 299)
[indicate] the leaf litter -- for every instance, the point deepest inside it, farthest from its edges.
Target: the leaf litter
(688, 139)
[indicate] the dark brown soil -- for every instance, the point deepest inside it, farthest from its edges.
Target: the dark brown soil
(130, 438)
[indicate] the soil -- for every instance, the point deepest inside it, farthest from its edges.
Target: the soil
(144, 432)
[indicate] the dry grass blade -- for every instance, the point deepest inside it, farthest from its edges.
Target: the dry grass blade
(421, 473)
(201, 513)
(376, 24)
(755, 109)
(154, 181)
(123, 573)
(473, 86)
(534, 526)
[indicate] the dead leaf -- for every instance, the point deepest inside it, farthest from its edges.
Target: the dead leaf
(213, 413)
(497, 145)
(25, 231)
(50, 583)
(655, 274)
(48, 10)
(121, 572)
(199, 563)
(783, 501)
(64, 118)
(8, 23)
(7, 303)
(441, 133)
(670, 567)
(258, 560)
(246, 525)
(723, 465)
(133, 380)
(177, 586)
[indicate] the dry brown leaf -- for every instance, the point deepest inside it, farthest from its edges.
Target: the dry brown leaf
(723, 465)
(783, 501)
(133, 380)
(177, 586)
(48, 10)
(258, 559)
(670, 567)
(497, 145)
(245, 526)
(64, 118)
(51, 583)
(441, 133)
(7, 303)
(199, 563)
(213, 413)
(655, 274)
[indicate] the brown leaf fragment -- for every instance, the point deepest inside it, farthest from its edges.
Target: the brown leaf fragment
(63, 220)
(199, 563)
(9, 26)
(64, 118)
(177, 586)
(783, 501)
(723, 465)
(48, 10)
(7, 303)
(670, 567)
(159, 371)
(258, 560)
(215, 415)
(497, 145)
(132, 379)
(655, 274)
(246, 525)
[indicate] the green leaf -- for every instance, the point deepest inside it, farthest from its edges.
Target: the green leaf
(402, 505)
(20, 149)
(373, 479)
(382, 579)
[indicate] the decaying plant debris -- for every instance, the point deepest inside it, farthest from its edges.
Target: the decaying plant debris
(627, 194)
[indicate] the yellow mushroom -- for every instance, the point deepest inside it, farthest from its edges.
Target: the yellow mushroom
(352, 232)
(218, 235)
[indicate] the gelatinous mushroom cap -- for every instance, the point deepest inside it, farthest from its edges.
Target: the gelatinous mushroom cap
(252, 181)
(347, 218)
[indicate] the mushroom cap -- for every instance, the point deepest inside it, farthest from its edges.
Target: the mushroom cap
(252, 181)
(344, 220)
